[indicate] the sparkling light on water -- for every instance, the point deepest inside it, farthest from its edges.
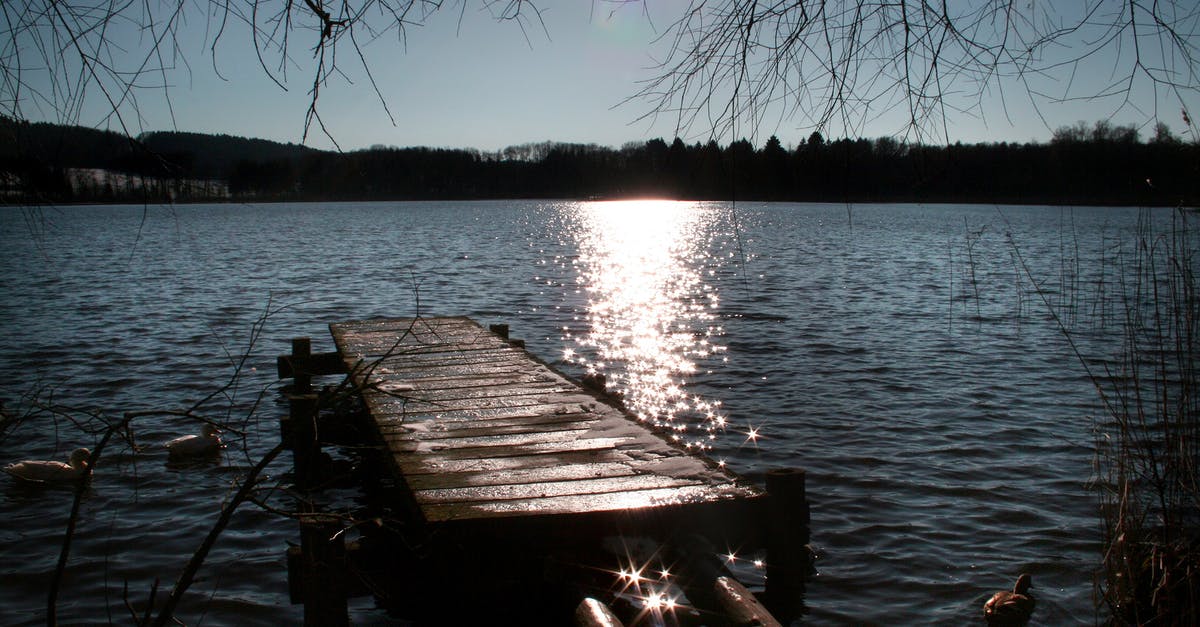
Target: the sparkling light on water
(650, 314)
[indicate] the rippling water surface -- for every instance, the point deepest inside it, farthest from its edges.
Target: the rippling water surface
(897, 352)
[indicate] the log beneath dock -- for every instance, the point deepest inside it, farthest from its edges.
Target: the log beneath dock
(481, 430)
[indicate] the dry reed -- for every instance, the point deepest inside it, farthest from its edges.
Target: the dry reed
(1148, 442)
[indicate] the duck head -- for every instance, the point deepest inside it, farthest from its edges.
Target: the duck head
(79, 458)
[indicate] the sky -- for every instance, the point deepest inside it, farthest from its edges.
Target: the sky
(464, 80)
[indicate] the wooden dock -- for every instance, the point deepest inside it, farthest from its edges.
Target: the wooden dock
(505, 462)
(479, 429)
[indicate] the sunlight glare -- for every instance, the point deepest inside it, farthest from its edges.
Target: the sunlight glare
(651, 315)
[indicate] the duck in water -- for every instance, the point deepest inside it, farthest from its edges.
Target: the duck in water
(37, 471)
(206, 443)
(1011, 608)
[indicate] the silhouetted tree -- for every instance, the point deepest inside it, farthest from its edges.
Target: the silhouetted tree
(1083, 164)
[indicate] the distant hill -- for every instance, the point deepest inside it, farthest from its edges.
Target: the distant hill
(64, 146)
(214, 156)
(162, 152)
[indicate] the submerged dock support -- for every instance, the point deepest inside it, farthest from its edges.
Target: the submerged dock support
(592, 613)
(317, 569)
(323, 564)
(789, 557)
(740, 605)
(303, 431)
(300, 428)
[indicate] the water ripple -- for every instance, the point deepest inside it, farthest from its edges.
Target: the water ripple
(944, 422)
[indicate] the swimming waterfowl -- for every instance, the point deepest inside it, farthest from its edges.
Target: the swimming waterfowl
(1011, 608)
(207, 442)
(38, 471)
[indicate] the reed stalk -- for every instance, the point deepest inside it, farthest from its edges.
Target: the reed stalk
(1148, 441)
(1148, 435)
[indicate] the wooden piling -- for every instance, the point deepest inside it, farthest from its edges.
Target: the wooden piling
(324, 571)
(592, 613)
(740, 605)
(595, 382)
(501, 331)
(302, 430)
(301, 376)
(787, 540)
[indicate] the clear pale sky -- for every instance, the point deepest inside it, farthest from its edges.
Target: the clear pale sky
(488, 85)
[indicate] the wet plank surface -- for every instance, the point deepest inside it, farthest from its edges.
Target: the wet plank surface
(481, 429)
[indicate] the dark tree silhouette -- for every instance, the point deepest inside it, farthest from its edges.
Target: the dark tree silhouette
(1096, 164)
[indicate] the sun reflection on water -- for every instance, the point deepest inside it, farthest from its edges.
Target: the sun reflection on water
(650, 313)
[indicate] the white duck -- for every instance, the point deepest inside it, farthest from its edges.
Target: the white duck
(51, 471)
(207, 442)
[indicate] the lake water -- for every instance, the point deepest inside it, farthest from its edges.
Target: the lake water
(897, 352)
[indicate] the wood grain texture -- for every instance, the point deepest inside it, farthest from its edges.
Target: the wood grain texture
(481, 429)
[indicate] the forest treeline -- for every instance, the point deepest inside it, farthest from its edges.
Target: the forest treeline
(1099, 163)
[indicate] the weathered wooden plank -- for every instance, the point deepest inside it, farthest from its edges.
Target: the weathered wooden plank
(470, 380)
(413, 339)
(440, 324)
(483, 417)
(398, 443)
(435, 395)
(575, 444)
(577, 504)
(479, 429)
(421, 333)
(556, 472)
(419, 360)
(673, 464)
(395, 404)
(380, 402)
(595, 487)
(434, 430)
(412, 467)
(473, 347)
(424, 365)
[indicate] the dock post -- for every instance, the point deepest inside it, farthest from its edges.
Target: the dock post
(501, 331)
(324, 559)
(299, 429)
(788, 535)
(592, 613)
(302, 430)
(301, 378)
(740, 605)
(595, 382)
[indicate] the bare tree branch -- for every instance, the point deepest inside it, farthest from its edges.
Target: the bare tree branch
(59, 55)
(851, 62)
